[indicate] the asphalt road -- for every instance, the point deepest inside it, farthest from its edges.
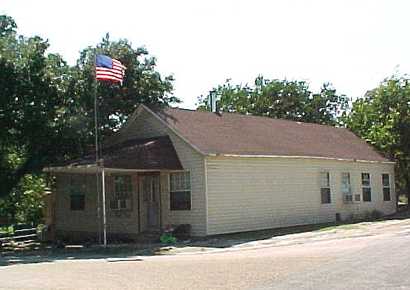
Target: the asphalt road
(372, 259)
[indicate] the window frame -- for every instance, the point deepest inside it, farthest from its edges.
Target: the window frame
(386, 187)
(364, 186)
(116, 195)
(327, 187)
(76, 195)
(176, 191)
(349, 191)
(77, 188)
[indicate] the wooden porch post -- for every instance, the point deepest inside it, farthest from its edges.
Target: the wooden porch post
(103, 205)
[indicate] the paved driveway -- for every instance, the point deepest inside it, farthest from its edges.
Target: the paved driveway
(374, 256)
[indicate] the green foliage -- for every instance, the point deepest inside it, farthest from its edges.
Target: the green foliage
(6, 230)
(31, 97)
(25, 203)
(142, 84)
(168, 238)
(382, 117)
(7, 25)
(284, 99)
(46, 106)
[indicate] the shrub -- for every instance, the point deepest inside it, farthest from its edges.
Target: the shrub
(168, 238)
(25, 202)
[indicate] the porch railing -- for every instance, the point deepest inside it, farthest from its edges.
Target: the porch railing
(21, 236)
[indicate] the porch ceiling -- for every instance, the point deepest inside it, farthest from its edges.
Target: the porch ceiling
(151, 154)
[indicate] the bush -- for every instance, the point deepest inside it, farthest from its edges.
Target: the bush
(25, 202)
(168, 238)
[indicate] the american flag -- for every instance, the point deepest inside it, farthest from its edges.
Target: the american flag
(109, 69)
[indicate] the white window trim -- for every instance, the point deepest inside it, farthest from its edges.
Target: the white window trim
(119, 208)
(128, 200)
(169, 191)
(350, 191)
(389, 187)
(330, 186)
(366, 186)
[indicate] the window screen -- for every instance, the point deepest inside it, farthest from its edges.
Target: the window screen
(180, 191)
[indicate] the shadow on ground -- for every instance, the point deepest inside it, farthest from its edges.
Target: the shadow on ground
(48, 255)
(136, 252)
(230, 240)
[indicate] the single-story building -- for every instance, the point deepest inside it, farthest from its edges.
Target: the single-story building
(222, 173)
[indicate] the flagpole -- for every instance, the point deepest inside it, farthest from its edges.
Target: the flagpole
(103, 201)
(98, 159)
(97, 177)
(100, 168)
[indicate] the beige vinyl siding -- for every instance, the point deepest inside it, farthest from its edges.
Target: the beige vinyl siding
(80, 220)
(122, 221)
(146, 126)
(194, 163)
(247, 194)
(355, 209)
(118, 222)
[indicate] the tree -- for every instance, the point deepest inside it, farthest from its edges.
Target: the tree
(25, 202)
(382, 117)
(31, 98)
(142, 84)
(46, 106)
(281, 99)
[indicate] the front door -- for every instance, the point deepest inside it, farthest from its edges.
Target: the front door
(151, 201)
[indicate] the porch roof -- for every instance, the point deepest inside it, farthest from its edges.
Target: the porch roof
(150, 154)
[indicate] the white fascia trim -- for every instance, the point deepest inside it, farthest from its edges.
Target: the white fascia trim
(70, 168)
(139, 170)
(175, 131)
(299, 157)
(94, 169)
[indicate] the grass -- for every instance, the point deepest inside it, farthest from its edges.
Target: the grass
(340, 227)
(270, 233)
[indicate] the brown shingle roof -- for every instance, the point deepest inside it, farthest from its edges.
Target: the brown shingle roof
(148, 154)
(236, 134)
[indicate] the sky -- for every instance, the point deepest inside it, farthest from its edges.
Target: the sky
(352, 44)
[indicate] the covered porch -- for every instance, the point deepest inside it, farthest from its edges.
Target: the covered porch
(144, 183)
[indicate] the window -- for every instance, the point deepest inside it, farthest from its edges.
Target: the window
(180, 191)
(121, 199)
(366, 189)
(346, 188)
(325, 187)
(77, 190)
(386, 187)
(77, 202)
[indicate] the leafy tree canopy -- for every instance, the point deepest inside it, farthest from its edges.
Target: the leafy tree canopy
(280, 99)
(46, 105)
(382, 117)
(142, 84)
